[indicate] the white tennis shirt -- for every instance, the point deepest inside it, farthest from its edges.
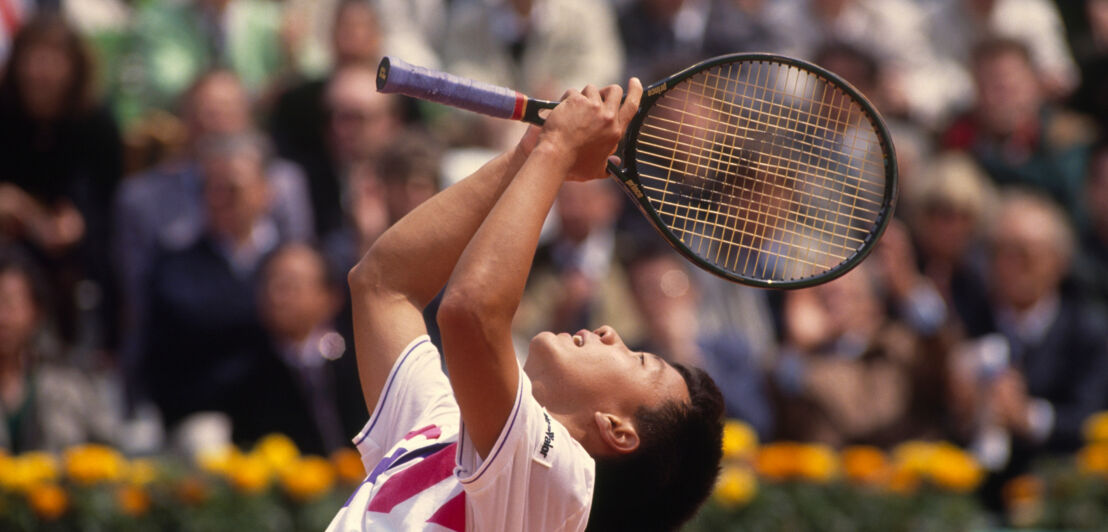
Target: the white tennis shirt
(424, 473)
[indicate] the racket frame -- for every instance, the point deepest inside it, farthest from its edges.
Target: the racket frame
(628, 175)
(514, 105)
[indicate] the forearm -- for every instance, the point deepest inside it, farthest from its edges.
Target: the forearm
(492, 272)
(415, 256)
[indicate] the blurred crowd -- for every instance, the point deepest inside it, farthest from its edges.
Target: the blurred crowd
(184, 183)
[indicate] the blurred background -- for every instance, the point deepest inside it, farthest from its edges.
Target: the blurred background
(184, 184)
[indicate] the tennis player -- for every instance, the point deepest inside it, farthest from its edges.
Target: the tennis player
(588, 434)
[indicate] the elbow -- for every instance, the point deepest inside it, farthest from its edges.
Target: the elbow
(370, 274)
(467, 309)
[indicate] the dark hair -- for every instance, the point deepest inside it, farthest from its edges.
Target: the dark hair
(50, 27)
(992, 47)
(662, 484)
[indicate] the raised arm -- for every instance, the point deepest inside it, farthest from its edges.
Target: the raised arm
(485, 289)
(408, 265)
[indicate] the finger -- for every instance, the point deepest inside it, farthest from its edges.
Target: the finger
(591, 92)
(612, 95)
(615, 160)
(567, 94)
(631, 102)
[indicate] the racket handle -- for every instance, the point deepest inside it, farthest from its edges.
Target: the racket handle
(396, 76)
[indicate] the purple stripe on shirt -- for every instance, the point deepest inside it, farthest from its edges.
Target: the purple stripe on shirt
(507, 431)
(388, 387)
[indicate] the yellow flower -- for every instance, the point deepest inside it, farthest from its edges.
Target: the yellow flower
(739, 440)
(348, 465)
(90, 464)
(277, 450)
(217, 461)
(816, 463)
(1093, 459)
(865, 465)
(141, 472)
(249, 473)
(1096, 428)
(736, 486)
(308, 478)
(22, 472)
(954, 469)
(48, 500)
(132, 501)
(914, 457)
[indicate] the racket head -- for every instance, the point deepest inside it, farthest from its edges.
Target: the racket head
(762, 169)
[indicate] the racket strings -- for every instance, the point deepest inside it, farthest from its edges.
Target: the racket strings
(772, 183)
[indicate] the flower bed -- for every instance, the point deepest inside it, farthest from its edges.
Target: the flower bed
(917, 487)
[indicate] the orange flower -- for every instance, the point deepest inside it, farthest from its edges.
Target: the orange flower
(865, 465)
(249, 474)
(308, 478)
(132, 501)
(1024, 488)
(1096, 428)
(348, 465)
(49, 501)
(777, 461)
(192, 491)
(1093, 459)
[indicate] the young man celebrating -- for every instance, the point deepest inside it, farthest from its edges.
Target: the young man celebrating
(587, 434)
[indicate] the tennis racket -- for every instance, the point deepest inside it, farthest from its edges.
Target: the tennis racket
(764, 170)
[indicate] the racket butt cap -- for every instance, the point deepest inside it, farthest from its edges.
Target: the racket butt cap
(383, 73)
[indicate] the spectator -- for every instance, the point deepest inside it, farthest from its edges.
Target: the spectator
(61, 160)
(946, 213)
(662, 37)
(958, 25)
(668, 297)
(930, 84)
(164, 209)
(203, 345)
(849, 373)
(314, 395)
(1026, 388)
(1017, 136)
(413, 29)
(1092, 265)
(45, 402)
(301, 120)
(175, 42)
(576, 280)
(540, 47)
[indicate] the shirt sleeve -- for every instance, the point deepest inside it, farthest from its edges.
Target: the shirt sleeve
(416, 395)
(536, 478)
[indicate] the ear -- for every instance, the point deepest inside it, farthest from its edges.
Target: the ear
(617, 433)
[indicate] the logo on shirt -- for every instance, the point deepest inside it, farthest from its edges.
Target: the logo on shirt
(548, 441)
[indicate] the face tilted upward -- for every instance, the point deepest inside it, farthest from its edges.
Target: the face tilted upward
(594, 371)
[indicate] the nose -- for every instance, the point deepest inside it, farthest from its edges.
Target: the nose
(608, 335)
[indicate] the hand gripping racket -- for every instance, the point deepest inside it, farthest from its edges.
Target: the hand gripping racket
(762, 169)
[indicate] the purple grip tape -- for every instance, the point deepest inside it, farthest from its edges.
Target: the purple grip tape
(396, 76)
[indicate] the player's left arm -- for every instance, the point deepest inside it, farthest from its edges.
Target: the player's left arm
(487, 283)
